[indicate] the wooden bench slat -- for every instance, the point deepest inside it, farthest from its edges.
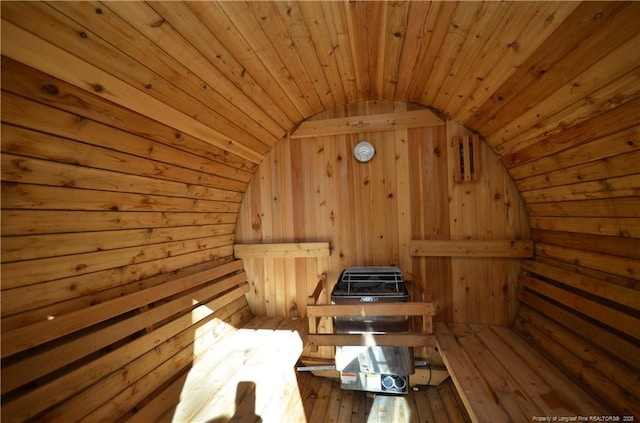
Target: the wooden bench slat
(571, 393)
(500, 377)
(371, 309)
(387, 339)
(506, 389)
(476, 394)
(76, 380)
(38, 333)
(29, 369)
(532, 387)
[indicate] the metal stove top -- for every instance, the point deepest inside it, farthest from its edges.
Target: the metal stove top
(375, 280)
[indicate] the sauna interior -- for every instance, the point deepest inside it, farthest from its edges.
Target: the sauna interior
(180, 195)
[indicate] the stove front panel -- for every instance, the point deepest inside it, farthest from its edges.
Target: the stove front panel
(380, 360)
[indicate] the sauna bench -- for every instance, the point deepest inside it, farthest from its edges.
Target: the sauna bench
(502, 378)
(247, 375)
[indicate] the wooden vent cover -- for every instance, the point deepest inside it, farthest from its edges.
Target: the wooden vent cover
(466, 155)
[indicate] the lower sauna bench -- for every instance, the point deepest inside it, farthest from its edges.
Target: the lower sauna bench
(502, 378)
(248, 375)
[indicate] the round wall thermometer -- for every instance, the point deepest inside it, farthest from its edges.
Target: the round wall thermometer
(364, 151)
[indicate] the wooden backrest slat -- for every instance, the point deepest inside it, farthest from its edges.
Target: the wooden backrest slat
(42, 363)
(157, 322)
(38, 333)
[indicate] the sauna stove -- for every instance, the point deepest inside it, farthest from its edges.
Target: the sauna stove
(382, 369)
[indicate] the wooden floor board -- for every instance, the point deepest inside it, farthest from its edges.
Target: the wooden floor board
(324, 401)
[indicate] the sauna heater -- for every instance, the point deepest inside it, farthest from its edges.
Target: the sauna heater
(381, 369)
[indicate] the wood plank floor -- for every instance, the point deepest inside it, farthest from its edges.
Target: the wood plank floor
(324, 401)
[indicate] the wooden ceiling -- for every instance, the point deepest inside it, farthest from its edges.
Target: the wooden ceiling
(240, 75)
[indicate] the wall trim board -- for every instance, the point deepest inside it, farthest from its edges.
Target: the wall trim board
(282, 250)
(368, 123)
(471, 248)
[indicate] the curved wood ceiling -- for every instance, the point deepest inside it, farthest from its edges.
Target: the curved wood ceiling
(515, 72)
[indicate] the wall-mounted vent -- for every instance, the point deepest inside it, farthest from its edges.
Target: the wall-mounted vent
(466, 155)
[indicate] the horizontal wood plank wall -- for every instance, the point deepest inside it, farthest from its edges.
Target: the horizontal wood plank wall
(99, 204)
(575, 164)
(312, 189)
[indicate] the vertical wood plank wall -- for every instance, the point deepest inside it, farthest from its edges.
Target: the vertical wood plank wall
(312, 189)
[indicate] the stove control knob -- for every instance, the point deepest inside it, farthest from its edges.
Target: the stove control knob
(387, 382)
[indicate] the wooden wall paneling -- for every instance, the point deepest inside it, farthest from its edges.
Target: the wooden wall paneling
(625, 207)
(77, 71)
(619, 294)
(20, 112)
(622, 349)
(36, 246)
(359, 208)
(474, 34)
(419, 20)
(607, 123)
(489, 285)
(557, 55)
(620, 142)
(436, 26)
(562, 106)
(616, 318)
(60, 30)
(298, 33)
(496, 45)
(41, 87)
(620, 266)
(512, 51)
(35, 196)
(624, 186)
(590, 363)
(384, 226)
(221, 26)
(267, 17)
(41, 270)
(271, 124)
(395, 120)
(363, 22)
(320, 36)
(614, 166)
(464, 17)
(403, 156)
(620, 91)
(245, 22)
(19, 169)
(396, 19)
(339, 37)
(42, 301)
(628, 227)
(429, 216)
(606, 243)
(283, 207)
(30, 222)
